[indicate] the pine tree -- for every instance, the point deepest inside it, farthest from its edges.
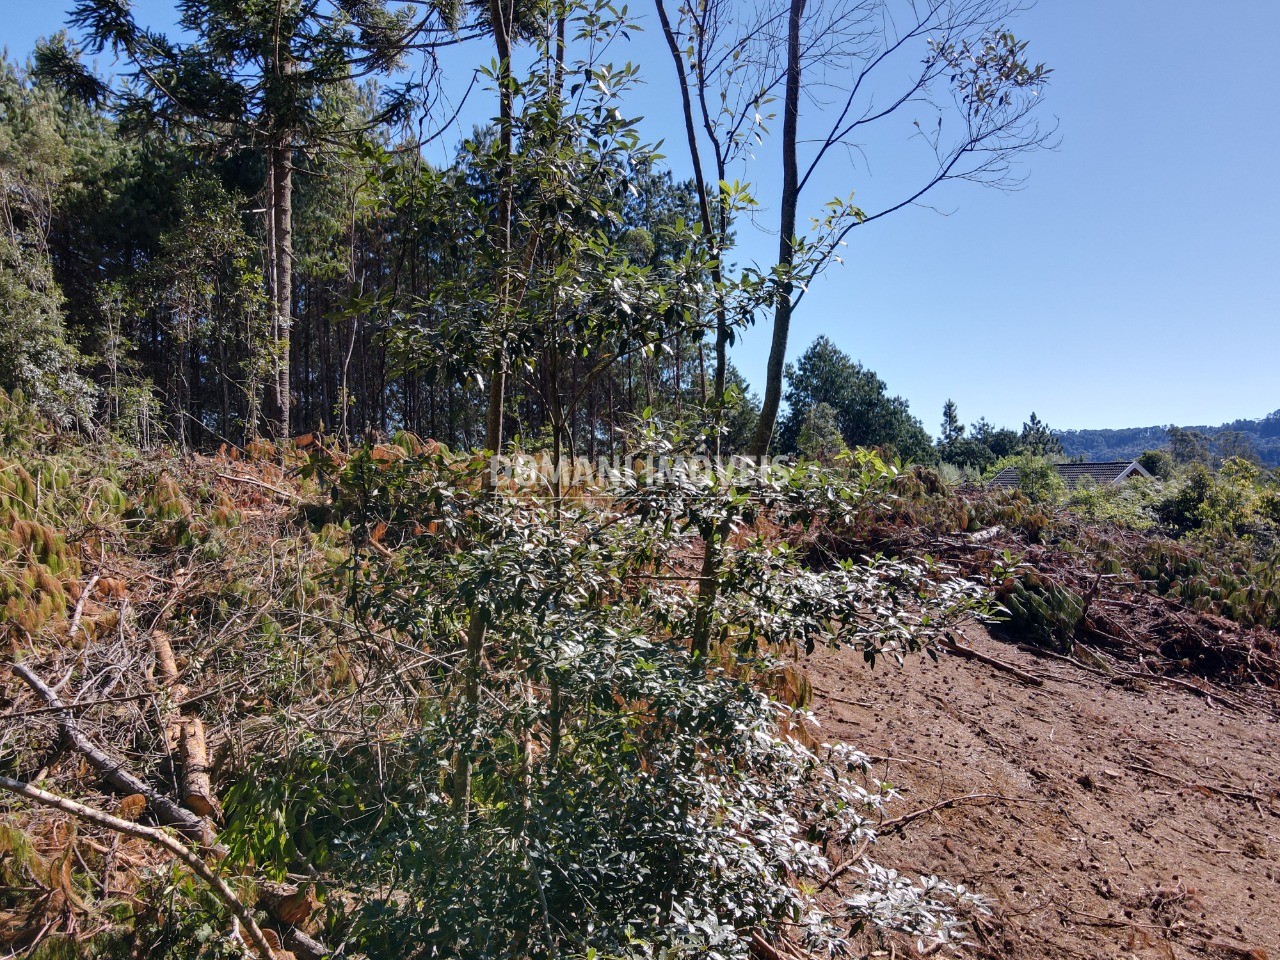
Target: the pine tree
(35, 355)
(1038, 440)
(253, 77)
(952, 428)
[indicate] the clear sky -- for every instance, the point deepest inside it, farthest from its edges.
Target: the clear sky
(1133, 280)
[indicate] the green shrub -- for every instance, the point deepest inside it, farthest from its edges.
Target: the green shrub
(1133, 504)
(1158, 463)
(1232, 501)
(1039, 479)
(1046, 613)
(604, 778)
(819, 438)
(1180, 506)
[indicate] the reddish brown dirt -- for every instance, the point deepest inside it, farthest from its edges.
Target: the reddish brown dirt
(1121, 842)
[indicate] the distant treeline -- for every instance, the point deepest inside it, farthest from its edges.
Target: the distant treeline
(1262, 436)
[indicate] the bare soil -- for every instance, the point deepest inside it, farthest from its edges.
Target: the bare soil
(1140, 819)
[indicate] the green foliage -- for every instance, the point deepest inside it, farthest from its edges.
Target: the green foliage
(1237, 501)
(1242, 589)
(1231, 445)
(1037, 478)
(1232, 501)
(174, 917)
(742, 415)
(1158, 463)
(35, 355)
(293, 809)
(1001, 442)
(622, 786)
(1047, 613)
(952, 428)
(1037, 439)
(819, 437)
(988, 450)
(865, 414)
(1014, 510)
(1188, 446)
(1180, 506)
(1134, 504)
(164, 512)
(565, 747)
(37, 568)
(968, 454)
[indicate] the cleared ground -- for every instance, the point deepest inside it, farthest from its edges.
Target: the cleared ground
(1142, 819)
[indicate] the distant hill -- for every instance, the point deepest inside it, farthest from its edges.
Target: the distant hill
(1128, 442)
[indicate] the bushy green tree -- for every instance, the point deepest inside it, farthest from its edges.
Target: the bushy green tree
(36, 356)
(1038, 440)
(970, 453)
(1001, 442)
(819, 437)
(1158, 463)
(952, 428)
(1039, 480)
(245, 76)
(867, 416)
(628, 796)
(1180, 507)
(1232, 501)
(1234, 445)
(1188, 446)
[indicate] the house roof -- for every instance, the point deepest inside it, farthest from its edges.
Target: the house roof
(1073, 474)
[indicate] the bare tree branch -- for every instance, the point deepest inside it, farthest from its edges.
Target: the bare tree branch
(161, 839)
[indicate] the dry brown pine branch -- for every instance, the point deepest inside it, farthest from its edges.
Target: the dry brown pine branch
(889, 826)
(111, 770)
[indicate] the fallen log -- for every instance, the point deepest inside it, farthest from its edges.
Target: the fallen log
(197, 791)
(78, 613)
(162, 647)
(983, 535)
(166, 810)
(185, 735)
(287, 495)
(305, 946)
(949, 644)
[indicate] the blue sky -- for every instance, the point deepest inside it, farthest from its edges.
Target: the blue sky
(1133, 280)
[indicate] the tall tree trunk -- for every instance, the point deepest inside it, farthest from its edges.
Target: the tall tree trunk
(501, 14)
(715, 230)
(280, 272)
(786, 238)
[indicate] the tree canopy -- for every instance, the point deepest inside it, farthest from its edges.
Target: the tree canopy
(864, 411)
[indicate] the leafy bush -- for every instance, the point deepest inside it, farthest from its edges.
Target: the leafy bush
(1014, 510)
(819, 438)
(1158, 463)
(1046, 612)
(1180, 506)
(610, 786)
(1231, 503)
(1039, 480)
(1206, 580)
(1133, 504)
(1235, 502)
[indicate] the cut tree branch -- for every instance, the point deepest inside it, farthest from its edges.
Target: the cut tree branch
(160, 839)
(169, 812)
